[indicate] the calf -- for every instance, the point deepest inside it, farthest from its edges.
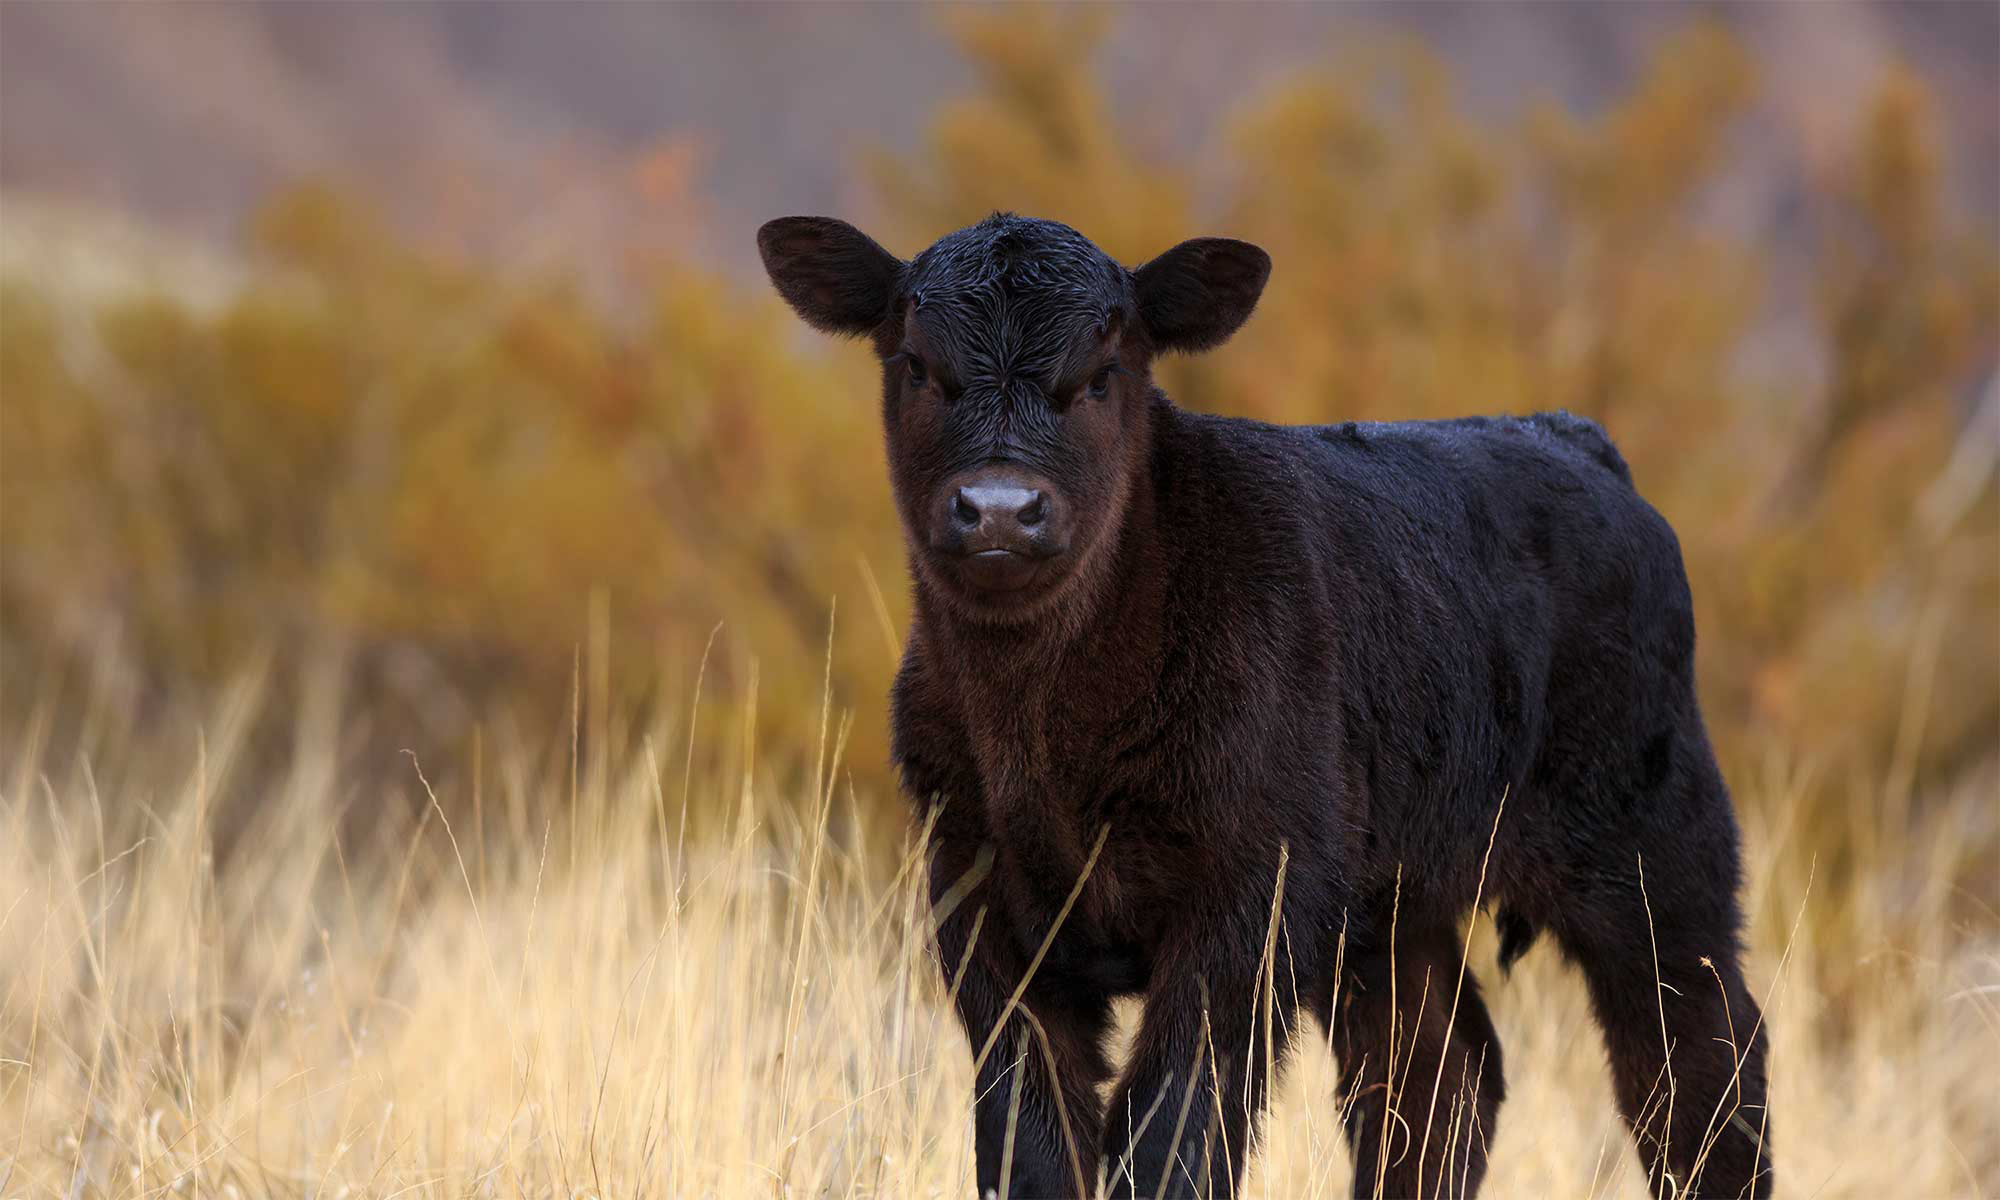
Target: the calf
(1246, 718)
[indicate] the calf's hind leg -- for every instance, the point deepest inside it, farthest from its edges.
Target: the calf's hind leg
(1656, 938)
(1419, 1066)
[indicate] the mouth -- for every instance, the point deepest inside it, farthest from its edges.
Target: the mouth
(999, 572)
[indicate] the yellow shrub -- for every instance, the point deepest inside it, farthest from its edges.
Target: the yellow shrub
(451, 479)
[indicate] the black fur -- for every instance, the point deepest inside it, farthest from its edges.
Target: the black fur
(1334, 648)
(1517, 936)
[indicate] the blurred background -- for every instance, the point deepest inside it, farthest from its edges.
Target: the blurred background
(399, 377)
(413, 360)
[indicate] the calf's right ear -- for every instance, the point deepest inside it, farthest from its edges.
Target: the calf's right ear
(831, 273)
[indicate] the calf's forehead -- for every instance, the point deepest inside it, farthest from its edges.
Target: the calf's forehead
(1014, 296)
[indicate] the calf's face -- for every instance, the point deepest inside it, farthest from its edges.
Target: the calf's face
(1016, 383)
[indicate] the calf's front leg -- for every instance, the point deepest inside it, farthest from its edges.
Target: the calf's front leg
(1216, 1023)
(1037, 1116)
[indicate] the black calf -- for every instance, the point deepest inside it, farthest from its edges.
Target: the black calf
(1225, 713)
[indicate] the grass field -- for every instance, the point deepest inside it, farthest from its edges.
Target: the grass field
(552, 992)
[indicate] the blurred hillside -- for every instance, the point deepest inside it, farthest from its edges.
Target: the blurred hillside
(390, 436)
(470, 123)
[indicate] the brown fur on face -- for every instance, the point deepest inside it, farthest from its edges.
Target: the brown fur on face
(1105, 441)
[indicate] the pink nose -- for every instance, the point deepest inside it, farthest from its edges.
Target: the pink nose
(997, 516)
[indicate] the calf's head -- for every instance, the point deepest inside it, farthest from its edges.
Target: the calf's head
(1016, 383)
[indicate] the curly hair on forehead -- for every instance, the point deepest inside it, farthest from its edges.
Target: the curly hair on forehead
(1010, 295)
(1005, 250)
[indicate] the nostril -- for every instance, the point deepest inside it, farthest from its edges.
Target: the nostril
(964, 510)
(1035, 511)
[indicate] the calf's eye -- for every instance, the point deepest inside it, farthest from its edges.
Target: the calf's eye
(1100, 383)
(918, 375)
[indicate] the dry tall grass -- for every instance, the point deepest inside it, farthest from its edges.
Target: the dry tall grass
(521, 992)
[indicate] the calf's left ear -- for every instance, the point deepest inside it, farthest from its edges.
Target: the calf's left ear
(831, 273)
(1198, 293)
